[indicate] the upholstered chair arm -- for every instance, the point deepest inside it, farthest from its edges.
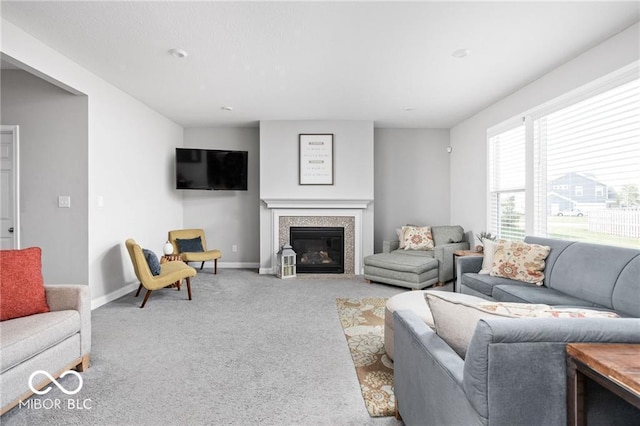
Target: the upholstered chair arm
(444, 254)
(77, 298)
(389, 246)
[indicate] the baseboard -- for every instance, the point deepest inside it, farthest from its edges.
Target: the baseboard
(266, 271)
(235, 265)
(103, 300)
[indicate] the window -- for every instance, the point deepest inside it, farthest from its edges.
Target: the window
(578, 167)
(507, 183)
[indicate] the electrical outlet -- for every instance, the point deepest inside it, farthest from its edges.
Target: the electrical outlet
(64, 201)
(234, 248)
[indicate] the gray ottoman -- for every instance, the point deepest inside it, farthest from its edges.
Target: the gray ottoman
(414, 272)
(412, 300)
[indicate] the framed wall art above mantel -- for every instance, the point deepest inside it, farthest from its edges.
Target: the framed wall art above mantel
(316, 159)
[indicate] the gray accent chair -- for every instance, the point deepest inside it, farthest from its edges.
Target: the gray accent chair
(417, 269)
(514, 372)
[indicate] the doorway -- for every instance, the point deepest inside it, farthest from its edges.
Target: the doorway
(9, 188)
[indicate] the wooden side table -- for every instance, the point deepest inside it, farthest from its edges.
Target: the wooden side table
(614, 366)
(170, 258)
(456, 255)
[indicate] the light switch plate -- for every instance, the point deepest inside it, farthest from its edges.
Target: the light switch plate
(64, 201)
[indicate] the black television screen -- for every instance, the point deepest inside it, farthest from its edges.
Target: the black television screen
(211, 169)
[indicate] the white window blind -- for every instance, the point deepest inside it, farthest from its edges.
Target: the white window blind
(587, 169)
(507, 183)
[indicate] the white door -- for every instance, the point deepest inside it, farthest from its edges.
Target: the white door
(9, 185)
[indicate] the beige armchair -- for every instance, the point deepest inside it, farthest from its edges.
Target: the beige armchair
(170, 272)
(194, 256)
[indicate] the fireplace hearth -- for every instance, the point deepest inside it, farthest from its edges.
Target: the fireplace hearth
(319, 250)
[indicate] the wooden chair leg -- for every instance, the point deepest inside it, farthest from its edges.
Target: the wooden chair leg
(215, 266)
(139, 288)
(202, 266)
(189, 286)
(178, 284)
(146, 297)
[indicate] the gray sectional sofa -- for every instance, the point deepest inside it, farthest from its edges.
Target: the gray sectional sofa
(54, 342)
(514, 372)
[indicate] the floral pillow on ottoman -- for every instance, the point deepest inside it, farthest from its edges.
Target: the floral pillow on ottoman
(417, 237)
(520, 261)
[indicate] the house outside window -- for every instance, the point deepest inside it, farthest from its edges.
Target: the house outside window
(574, 166)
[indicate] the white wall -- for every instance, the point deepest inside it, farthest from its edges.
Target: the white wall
(411, 180)
(468, 139)
(53, 162)
(279, 171)
(228, 217)
(130, 164)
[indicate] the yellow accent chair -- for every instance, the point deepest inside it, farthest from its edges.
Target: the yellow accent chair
(194, 256)
(170, 272)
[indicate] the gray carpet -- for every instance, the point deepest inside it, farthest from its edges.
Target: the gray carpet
(248, 349)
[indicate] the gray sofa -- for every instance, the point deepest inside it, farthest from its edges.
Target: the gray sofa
(446, 239)
(514, 372)
(55, 342)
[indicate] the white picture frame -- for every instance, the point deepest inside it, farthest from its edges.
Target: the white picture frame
(316, 159)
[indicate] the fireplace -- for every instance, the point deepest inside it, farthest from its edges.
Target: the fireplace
(319, 250)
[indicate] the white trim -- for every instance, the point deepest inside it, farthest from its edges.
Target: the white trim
(103, 300)
(15, 133)
(282, 203)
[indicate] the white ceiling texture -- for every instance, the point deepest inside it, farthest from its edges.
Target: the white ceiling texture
(390, 62)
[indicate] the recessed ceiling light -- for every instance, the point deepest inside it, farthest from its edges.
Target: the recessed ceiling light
(408, 108)
(178, 53)
(226, 108)
(461, 53)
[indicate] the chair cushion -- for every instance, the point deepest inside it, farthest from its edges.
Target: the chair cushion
(189, 245)
(152, 261)
(21, 283)
(535, 294)
(401, 262)
(201, 256)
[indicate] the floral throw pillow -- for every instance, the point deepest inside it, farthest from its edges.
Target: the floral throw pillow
(417, 238)
(520, 261)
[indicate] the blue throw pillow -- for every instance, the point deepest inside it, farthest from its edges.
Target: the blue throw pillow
(152, 261)
(189, 246)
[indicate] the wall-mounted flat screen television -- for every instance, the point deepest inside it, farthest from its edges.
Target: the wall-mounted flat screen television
(211, 169)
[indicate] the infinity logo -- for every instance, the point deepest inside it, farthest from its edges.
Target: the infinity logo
(55, 382)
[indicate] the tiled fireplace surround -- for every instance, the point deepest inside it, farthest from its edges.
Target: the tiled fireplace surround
(334, 213)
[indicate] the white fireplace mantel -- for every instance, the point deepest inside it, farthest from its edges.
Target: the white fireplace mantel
(317, 207)
(316, 203)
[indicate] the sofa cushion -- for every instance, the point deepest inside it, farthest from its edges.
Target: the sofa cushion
(484, 284)
(456, 315)
(520, 261)
(417, 238)
(454, 321)
(21, 283)
(489, 252)
(399, 261)
(535, 294)
(22, 338)
(591, 272)
(447, 234)
(625, 293)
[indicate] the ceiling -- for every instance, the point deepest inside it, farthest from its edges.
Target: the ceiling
(389, 62)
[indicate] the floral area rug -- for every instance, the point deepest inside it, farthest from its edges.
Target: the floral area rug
(363, 323)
